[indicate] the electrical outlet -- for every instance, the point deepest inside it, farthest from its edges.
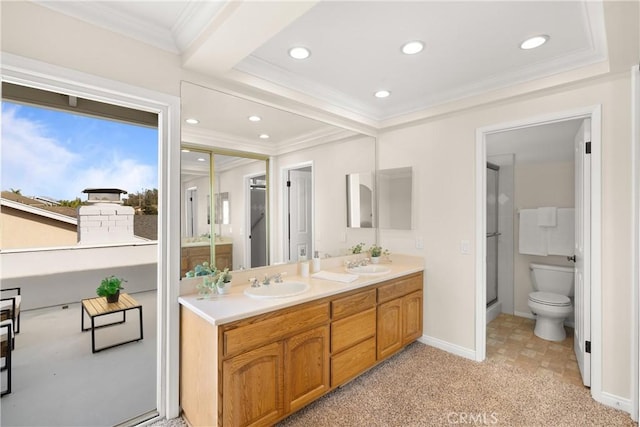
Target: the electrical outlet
(419, 243)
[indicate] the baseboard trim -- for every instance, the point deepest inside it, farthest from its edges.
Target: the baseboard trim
(448, 347)
(614, 401)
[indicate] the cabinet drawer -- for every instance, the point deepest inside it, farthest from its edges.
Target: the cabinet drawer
(353, 329)
(265, 329)
(400, 287)
(353, 304)
(353, 361)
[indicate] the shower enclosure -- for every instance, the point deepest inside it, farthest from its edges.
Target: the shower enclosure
(492, 233)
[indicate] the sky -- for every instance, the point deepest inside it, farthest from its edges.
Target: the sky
(57, 154)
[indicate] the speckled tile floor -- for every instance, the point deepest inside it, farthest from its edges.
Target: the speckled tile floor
(510, 340)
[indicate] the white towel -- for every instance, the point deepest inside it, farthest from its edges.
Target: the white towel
(533, 239)
(336, 277)
(547, 217)
(561, 237)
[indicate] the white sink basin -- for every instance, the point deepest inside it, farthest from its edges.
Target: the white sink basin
(277, 290)
(370, 270)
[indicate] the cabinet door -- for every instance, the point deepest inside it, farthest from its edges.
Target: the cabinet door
(224, 257)
(412, 317)
(253, 385)
(389, 328)
(306, 367)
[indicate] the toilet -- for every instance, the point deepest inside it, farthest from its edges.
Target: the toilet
(553, 285)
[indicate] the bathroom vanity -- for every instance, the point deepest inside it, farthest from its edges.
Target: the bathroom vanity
(248, 361)
(194, 253)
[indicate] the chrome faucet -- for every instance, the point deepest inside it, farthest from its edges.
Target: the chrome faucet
(277, 278)
(357, 263)
(254, 282)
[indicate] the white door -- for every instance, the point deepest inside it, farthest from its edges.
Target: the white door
(582, 301)
(300, 215)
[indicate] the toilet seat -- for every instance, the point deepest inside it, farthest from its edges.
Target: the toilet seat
(550, 299)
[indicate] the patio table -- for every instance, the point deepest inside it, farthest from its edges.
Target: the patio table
(97, 307)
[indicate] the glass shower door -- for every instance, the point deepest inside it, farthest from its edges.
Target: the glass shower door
(492, 233)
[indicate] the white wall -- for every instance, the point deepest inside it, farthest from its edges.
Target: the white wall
(331, 164)
(537, 185)
(442, 153)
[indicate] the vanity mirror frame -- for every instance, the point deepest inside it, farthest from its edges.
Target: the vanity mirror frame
(212, 152)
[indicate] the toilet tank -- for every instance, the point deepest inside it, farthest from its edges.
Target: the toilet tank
(552, 278)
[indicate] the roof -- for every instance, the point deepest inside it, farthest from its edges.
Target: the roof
(58, 213)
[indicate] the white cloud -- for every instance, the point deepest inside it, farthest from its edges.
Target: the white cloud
(39, 164)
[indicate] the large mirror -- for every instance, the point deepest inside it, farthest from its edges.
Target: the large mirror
(299, 170)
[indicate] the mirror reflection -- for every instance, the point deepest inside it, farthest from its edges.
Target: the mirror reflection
(360, 200)
(298, 209)
(395, 198)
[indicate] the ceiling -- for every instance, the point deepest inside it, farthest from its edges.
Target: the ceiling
(471, 47)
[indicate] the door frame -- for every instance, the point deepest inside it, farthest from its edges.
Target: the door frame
(247, 217)
(284, 171)
(32, 73)
(595, 114)
(635, 251)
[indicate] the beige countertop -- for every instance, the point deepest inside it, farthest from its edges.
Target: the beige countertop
(235, 305)
(219, 241)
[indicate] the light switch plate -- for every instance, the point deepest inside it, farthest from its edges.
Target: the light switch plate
(465, 247)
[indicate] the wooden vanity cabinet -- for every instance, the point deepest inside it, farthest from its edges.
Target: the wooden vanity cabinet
(353, 335)
(399, 315)
(224, 256)
(258, 370)
(274, 364)
(253, 385)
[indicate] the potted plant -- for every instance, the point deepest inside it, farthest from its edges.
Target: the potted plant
(376, 252)
(110, 288)
(223, 282)
(357, 248)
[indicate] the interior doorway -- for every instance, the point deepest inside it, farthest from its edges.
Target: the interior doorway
(590, 312)
(298, 201)
(257, 226)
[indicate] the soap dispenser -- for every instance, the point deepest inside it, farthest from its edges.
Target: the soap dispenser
(316, 262)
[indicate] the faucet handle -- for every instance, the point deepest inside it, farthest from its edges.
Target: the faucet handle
(278, 277)
(254, 282)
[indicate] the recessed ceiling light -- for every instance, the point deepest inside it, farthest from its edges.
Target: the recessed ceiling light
(201, 159)
(382, 94)
(184, 150)
(255, 118)
(299, 52)
(264, 136)
(412, 47)
(192, 121)
(534, 42)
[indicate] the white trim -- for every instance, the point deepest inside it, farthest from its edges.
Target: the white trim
(28, 72)
(635, 249)
(283, 199)
(467, 353)
(39, 211)
(614, 401)
(595, 113)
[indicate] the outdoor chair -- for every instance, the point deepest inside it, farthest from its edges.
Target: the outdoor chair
(10, 299)
(6, 348)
